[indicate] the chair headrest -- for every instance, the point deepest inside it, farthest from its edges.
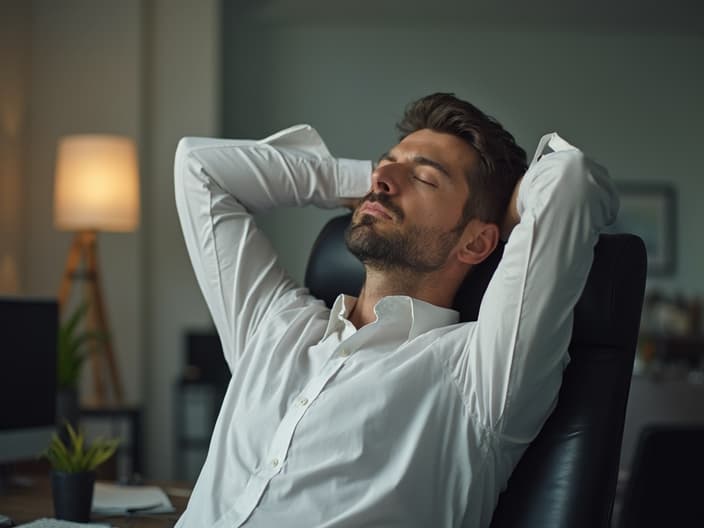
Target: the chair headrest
(332, 269)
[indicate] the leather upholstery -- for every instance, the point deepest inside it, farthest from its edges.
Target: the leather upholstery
(332, 269)
(567, 477)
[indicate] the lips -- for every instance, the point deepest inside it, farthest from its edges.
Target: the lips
(375, 209)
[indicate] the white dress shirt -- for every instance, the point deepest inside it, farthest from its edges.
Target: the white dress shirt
(413, 420)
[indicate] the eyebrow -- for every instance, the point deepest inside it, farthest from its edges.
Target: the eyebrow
(420, 160)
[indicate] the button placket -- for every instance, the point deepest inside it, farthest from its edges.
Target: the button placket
(284, 433)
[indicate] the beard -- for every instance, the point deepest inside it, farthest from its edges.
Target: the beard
(416, 249)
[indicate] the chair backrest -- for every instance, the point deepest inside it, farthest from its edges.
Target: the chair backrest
(567, 477)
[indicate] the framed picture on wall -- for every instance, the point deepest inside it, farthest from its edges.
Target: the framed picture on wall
(649, 211)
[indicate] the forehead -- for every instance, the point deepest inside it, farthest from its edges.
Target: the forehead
(458, 157)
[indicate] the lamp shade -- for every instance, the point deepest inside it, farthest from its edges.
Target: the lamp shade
(97, 183)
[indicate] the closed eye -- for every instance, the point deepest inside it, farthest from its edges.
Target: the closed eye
(425, 181)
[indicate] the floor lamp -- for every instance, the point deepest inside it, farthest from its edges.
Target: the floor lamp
(96, 189)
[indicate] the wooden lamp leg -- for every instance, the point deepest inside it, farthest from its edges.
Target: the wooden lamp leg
(72, 262)
(100, 318)
(84, 247)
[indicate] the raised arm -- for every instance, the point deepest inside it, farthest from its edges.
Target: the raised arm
(515, 357)
(219, 184)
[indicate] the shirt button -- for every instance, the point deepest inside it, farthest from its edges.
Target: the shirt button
(303, 401)
(274, 462)
(344, 352)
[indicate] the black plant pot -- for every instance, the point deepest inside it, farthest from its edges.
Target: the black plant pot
(73, 495)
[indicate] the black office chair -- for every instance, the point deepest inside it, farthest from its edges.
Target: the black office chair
(567, 477)
(665, 485)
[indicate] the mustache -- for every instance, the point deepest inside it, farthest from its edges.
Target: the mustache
(385, 200)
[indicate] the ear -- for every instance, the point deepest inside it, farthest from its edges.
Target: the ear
(478, 242)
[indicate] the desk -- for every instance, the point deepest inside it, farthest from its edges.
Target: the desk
(27, 503)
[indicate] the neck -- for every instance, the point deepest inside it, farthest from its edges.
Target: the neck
(435, 288)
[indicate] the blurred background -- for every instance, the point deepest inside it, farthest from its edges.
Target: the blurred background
(622, 80)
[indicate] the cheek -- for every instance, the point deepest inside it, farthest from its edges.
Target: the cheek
(456, 207)
(441, 211)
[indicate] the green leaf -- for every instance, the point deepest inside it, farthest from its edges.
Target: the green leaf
(76, 317)
(78, 456)
(57, 454)
(74, 346)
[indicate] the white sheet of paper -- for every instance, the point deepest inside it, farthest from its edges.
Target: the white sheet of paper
(56, 523)
(115, 499)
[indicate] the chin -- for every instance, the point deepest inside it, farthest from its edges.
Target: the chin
(364, 219)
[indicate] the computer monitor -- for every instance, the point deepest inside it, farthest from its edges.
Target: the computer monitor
(28, 337)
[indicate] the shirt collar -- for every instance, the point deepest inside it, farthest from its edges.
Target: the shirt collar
(413, 315)
(338, 313)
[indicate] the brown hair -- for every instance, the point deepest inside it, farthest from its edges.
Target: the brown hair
(502, 161)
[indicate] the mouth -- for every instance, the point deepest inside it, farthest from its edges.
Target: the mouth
(375, 209)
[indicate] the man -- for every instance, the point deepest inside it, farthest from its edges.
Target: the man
(385, 411)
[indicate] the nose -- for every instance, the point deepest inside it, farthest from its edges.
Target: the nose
(386, 178)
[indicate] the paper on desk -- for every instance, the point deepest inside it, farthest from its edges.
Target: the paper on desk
(114, 499)
(56, 523)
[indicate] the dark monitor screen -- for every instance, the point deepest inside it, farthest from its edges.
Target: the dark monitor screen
(28, 337)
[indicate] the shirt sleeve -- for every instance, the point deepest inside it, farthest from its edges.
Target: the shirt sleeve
(512, 366)
(219, 184)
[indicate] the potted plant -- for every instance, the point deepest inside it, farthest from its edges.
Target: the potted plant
(74, 346)
(73, 472)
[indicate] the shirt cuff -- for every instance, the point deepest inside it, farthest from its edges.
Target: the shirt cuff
(548, 143)
(353, 178)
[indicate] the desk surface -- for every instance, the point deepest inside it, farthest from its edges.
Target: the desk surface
(27, 503)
